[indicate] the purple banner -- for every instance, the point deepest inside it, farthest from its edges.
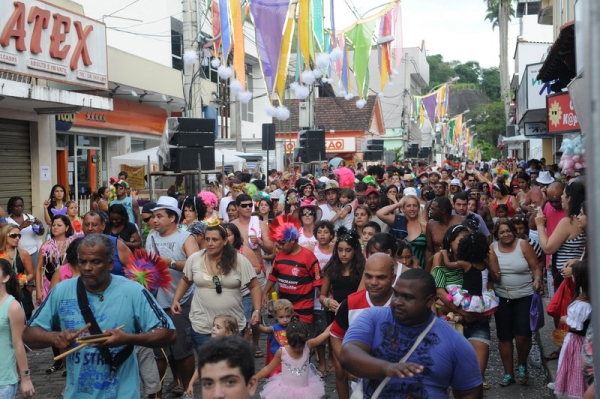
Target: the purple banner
(225, 29)
(429, 104)
(269, 20)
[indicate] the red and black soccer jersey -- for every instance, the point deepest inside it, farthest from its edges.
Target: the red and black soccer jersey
(349, 310)
(297, 275)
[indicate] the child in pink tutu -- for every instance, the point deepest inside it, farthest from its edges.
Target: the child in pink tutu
(475, 294)
(298, 378)
(570, 381)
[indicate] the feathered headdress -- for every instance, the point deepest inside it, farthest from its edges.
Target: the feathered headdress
(345, 177)
(149, 270)
(284, 228)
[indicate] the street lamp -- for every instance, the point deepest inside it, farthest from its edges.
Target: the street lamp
(454, 79)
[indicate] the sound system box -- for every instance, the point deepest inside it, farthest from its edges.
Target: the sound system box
(268, 136)
(187, 159)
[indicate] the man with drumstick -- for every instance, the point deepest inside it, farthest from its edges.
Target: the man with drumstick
(114, 302)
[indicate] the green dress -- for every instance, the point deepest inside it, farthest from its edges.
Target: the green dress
(418, 247)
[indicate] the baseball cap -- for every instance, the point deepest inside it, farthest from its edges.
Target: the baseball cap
(455, 182)
(122, 183)
(371, 190)
(410, 191)
(148, 206)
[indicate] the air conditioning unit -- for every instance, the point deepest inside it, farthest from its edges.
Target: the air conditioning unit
(305, 115)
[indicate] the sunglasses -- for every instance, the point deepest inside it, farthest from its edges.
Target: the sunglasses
(146, 220)
(309, 213)
(15, 235)
(217, 283)
(246, 205)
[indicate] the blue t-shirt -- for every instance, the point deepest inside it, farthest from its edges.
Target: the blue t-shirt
(447, 357)
(125, 302)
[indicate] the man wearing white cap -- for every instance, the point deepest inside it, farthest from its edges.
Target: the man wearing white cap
(174, 246)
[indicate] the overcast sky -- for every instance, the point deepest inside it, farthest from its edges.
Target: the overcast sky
(454, 28)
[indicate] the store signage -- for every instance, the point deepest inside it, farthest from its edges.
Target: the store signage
(531, 93)
(343, 144)
(45, 41)
(561, 114)
(535, 130)
(64, 122)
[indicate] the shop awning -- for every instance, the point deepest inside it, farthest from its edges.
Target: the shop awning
(516, 139)
(560, 63)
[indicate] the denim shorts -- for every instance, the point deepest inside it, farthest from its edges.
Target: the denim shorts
(478, 330)
(199, 339)
(8, 391)
(248, 307)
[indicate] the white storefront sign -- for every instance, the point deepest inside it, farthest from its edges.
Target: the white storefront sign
(342, 144)
(45, 41)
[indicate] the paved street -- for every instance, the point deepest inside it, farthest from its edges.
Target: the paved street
(51, 386)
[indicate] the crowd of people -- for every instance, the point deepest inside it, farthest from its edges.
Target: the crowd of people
(389, 275)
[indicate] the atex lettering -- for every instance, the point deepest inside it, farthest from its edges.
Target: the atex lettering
(40, 19)
(44, 40)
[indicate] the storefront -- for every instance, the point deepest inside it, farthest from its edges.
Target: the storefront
(36, 66)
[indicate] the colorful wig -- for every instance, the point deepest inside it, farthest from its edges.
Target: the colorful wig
(345, 177)
(251, 190)
(284, 228)
(501, 172)
(148, 269)
(370, 180)
(209, 198)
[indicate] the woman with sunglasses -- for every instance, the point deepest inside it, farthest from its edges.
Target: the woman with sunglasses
(218, 272)
(291, 202)
(308, 213)
(21, 262)
(30, 226)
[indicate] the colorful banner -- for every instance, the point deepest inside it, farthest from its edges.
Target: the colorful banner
(451, 129)
(304, 30)
(239, 48)
(360, 36)
(385, 67)
(429, 104)
(216, 27)
(225, 29)
(318, 24)
(269, 17)
(284, 56)
(398, 43)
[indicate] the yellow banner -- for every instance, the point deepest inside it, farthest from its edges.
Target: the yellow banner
(239, 51)
(135, 176)
(284, 58)
(304, 31)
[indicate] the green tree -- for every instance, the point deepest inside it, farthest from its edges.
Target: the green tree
(489, 122)
(488, 150)
(490, 83)
(439, 70)
(469, 72)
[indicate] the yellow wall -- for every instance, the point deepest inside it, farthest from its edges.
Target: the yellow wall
(547, 151)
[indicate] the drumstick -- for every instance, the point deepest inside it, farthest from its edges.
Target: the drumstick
(82, 329)
(92, 340)
(78, 347)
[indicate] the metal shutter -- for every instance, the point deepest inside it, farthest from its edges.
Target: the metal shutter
(15, 162)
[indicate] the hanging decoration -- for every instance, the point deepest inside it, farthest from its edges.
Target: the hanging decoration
(225, 29)
(573, 155)
(216, 27)
(360, 37)
(385, 29)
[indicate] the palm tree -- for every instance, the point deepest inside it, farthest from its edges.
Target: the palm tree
(499, 13)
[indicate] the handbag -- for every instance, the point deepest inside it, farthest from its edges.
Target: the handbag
(557, 307)
(536, 312)
(358, 391)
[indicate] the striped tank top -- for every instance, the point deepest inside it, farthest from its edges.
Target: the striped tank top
(570, 249)
(418, 246)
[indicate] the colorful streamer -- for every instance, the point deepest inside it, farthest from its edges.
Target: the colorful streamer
(318, 24)
(239, 48)
(216, 27)
(360, 36)
(284, 56)
(225, 29)
(304, 30)
(269, 17)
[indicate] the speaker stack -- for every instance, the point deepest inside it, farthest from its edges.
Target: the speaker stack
(194, 137)
(311, 146)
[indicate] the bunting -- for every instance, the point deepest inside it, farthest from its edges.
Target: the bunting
(385, 29)
(269, 18)
(345, 69)
(284, 56)
(360, 36)
(429, 104)
(398, 42)
(239, 48)
(318, 24)
(216, 27)
(225, 29)
(304, 31)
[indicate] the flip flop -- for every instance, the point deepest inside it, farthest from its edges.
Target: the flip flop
(322, 373)
(258, 353)
(486, 385)
(553, 356)
(507, 380)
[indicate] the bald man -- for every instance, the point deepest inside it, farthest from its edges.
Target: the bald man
(379, 280)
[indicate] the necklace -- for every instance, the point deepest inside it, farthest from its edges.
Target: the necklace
(100, 295)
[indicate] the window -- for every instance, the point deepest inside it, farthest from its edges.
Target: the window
(248, 109)
(176, 44)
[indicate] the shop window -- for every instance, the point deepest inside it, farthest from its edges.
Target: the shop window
(176, 44)
(138, 145)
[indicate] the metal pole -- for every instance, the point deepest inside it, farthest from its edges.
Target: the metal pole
(199, 173)
(592, 72)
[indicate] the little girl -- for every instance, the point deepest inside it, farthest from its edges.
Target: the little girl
(476, 294)
(570, 381)
(345, 212)
(277, 338)
(223, 325)
(73, 215)
(298, 379)
(405, 255)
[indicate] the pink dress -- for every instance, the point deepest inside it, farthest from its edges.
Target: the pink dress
(298, 379)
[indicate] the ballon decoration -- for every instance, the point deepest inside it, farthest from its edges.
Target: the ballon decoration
(573, 155)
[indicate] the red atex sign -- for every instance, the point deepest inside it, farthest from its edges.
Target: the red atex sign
(561, 114)
(42, 40)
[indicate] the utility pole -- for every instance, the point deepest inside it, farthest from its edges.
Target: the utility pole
(191, 81)
(405, 105)
(235, 108)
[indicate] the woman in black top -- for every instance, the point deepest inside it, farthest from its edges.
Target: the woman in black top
(118, 226)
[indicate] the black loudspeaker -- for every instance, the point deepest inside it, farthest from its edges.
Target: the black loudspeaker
(375, 145)
(268, 136)
(187, 159)
(306, 155)
(187, 139)
(373, 156)
(312, 138)
(196, 125)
